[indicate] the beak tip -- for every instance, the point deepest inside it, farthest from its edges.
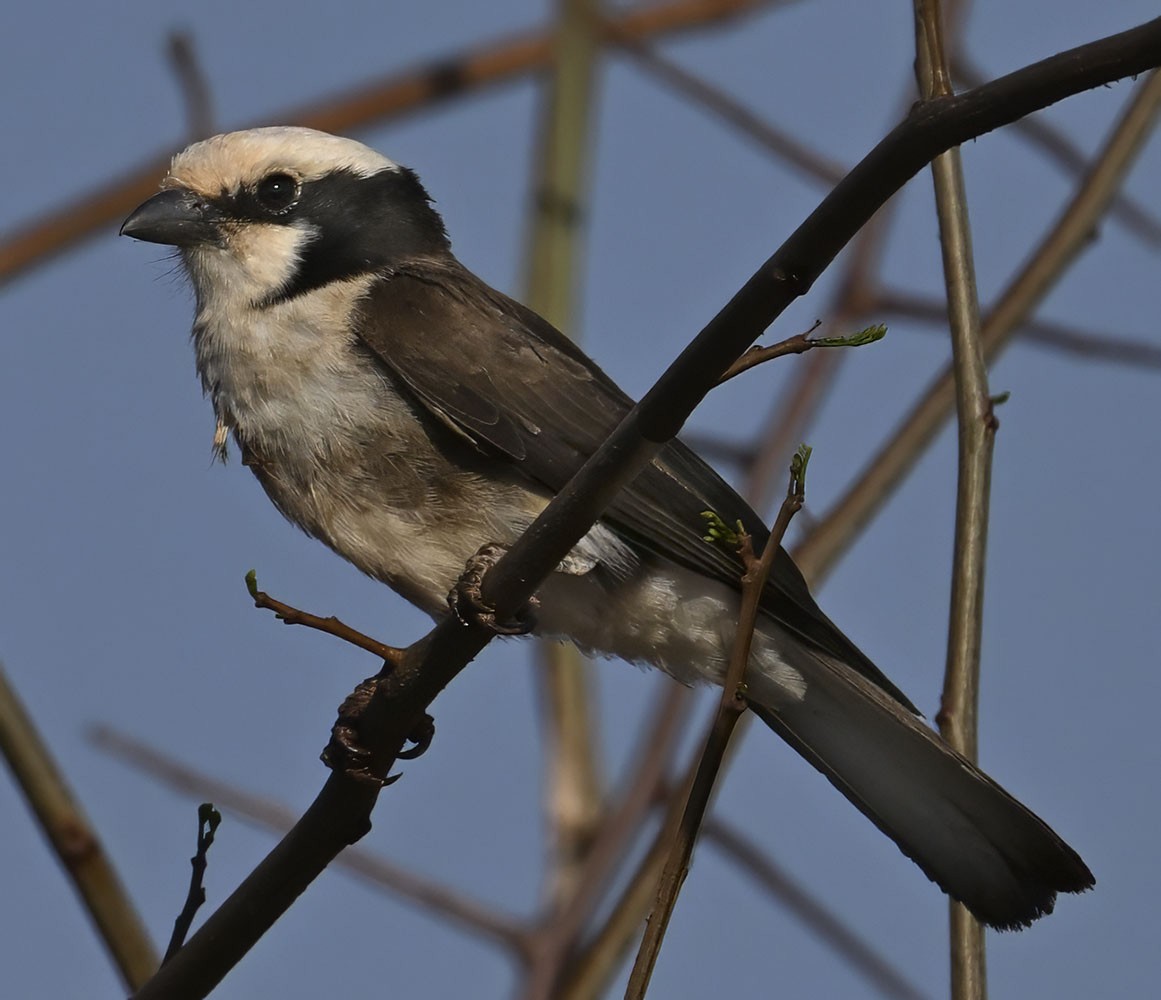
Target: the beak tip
(173, 217)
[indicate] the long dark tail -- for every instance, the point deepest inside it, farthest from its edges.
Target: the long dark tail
(970, 837)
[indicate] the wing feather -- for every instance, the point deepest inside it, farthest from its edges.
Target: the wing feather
(518, 389)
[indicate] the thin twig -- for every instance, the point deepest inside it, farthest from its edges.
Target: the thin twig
(405, 92)
(74, 841)
(330, 625)
(208, 820)
(961, 685)
(799, 344)
(879, 973)
(573, 786)
(192, 82)
(1060, 246)
(793, 413)
(730, 708)
(277, 818)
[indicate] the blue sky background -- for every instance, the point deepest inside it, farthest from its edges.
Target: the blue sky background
(122, 547)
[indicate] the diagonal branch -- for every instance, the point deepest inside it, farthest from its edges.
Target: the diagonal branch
(75, 843)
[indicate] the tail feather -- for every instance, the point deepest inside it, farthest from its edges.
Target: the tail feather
(970, 837)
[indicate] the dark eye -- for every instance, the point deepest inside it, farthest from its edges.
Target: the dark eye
(277, 192)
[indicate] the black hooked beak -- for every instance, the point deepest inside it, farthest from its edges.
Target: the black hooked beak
(178, 218)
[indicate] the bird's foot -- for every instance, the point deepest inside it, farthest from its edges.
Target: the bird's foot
(467, 602)
(345, 752)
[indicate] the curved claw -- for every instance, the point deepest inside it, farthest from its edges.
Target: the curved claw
(467, 601)
(422, 736)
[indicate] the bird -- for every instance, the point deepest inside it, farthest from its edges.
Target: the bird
(398, 409)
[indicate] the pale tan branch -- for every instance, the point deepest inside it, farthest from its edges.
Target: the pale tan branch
(74, 841)
(573, 785)
(961, 684)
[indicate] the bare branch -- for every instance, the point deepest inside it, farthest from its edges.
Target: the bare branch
(557, 936)
(800, 344)
(330, 625)
(977, 426)
(208, 820)
(75, 843)
(730, 708)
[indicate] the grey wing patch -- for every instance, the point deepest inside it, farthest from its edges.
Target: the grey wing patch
(601, 546)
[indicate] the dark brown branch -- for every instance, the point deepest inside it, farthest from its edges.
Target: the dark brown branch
(330, 625)
(400, 93)
(730, 708)
(798, 344)
(208, 820)
(341, 813)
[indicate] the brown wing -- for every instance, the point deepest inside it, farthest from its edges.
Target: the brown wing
(521, 391)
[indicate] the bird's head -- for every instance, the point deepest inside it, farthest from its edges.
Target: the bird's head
(274, 213)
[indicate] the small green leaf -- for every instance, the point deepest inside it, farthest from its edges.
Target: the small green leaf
(252, 583)
(798, 466)
(868, 335)
(717, 532)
